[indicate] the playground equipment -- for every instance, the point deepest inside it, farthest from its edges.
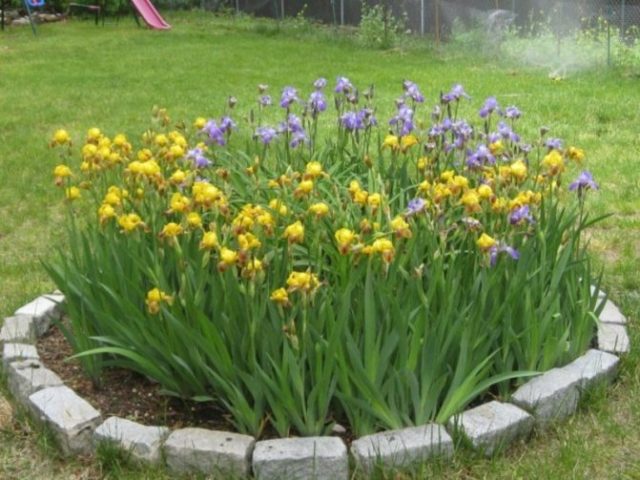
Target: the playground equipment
(96, 10)
(144, 8)
(150, 15)
(29, 4)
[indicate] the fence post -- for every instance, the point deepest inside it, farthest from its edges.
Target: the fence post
(609, 36)
(282, 9)
(342, 12)
(422, 17)
(437, 22)
(622, 18)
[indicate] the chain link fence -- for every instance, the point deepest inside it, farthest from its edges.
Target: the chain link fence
(437, 16)
(611, 24)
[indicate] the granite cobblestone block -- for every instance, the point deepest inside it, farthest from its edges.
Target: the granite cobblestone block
(594, 367)
(143, 443)
(27, 377)
(493, 425)
(18, 329)
(71, 418)
(551, 396)
(317, 458)
(400, 448)
(611, 314)
(613, 338)
(43, 309)
(12, 352)
(198, 450)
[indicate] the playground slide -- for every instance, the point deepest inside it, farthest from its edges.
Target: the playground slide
(150, 15)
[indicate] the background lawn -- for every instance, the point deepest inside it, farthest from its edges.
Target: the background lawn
(75, 75)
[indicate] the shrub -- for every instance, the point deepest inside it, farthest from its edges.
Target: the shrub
(301, 278)
(378, 27)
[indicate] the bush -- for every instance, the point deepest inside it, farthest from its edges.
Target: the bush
(378, 27)
(300, 278)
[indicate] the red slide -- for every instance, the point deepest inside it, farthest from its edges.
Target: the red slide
(150, 15)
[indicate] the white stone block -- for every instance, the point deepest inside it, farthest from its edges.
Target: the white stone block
(27, 377)
(197, 450)
(70, 417)
(593, 367)
(611, 314)
(18, 329)
(551, 396)
(143, 443)
(12, 352)
(493, 425)
(316, 458)
(601, 294)
(399, 448)
(613, 338)
(43, 309)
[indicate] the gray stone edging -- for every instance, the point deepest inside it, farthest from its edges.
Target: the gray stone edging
(489, 427)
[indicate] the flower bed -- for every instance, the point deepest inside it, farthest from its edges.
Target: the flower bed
(380, 276)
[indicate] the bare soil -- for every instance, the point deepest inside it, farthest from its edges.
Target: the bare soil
(127, 394)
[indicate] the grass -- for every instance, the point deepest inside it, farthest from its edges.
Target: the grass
(75, 75)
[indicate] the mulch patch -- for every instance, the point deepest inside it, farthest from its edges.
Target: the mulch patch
(127, 394)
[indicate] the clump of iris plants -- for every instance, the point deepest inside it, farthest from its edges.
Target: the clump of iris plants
(298, 271)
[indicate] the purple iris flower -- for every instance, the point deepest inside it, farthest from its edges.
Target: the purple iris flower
(490, 105)
(457, 92)
(440, 128)
(265, 100)
(294, 124)
(502, 248)
(459, 127)
(520, 215)
(525, 147)
(412, 91)
(437, 130)
(415, 206)
(403, 119)
(320, 83)
(343, 85)
(584, 181)
(507, 133)
(298, 138)
(352, 121)
(227, 124)
(289, 96)
(266, 134)
(553, 143)
(196, 155)
(462, 132)
(215, 133)
(480, 157)
(317, 102)
(368, 117)
(512, 112)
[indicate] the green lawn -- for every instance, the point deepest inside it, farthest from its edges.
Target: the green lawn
(75, 75)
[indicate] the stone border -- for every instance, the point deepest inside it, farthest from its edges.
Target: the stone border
(79, 428)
